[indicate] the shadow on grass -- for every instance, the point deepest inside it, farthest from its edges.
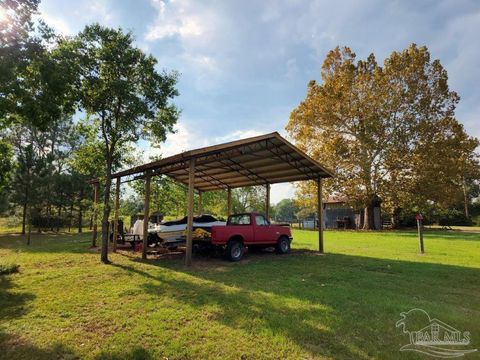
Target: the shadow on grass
(334, 305)
(14, 304)
(15, 347)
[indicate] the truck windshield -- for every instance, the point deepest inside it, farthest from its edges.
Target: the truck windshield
(242, 219)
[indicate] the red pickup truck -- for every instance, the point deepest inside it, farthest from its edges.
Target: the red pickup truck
(250, 230)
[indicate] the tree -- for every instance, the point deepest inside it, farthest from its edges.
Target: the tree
(29, 178)
(6, 164)
(166, 196)
(372, 124)
(36, 104)
(215, 203)
(121, 89)
(17, 47)
(250, 198)
(286, 210)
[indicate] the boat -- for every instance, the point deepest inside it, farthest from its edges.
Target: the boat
(170, 231)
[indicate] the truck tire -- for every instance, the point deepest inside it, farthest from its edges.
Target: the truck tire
(234, 250)
(283, 245)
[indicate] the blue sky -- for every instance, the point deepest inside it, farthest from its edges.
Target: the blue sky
(245, 64)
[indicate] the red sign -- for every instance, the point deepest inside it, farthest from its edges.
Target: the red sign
(419, 217)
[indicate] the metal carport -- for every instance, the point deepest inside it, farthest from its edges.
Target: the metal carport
(260, 160)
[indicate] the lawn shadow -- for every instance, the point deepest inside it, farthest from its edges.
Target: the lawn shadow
(12, 304)
(331, 305)
(16, 347)
(240, 305)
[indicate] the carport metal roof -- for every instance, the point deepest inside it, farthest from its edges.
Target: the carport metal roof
(259, 160)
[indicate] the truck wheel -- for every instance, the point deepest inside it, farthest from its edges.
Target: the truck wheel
(283, 245)
(234, 250)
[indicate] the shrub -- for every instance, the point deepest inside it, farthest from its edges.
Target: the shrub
(408, 219)
(46, 222)
(6, 269)
(454, 218)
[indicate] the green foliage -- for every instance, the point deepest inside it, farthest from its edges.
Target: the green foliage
(248, 199)
(37, 99)
(16, 49)
(286, 210)
(215, 203)
(454, 218)
(120, 88)
(6, 164)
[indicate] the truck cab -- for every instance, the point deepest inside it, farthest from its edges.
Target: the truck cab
(250, 230)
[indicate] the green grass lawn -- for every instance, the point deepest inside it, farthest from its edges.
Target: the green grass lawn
(344, 305)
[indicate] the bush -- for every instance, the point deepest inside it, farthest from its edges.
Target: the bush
(408, 219)
(475, 208)
(476, 220)
(45, 222)
(6, 269)
(454, 218)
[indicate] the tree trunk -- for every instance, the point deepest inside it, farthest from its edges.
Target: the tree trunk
(80, 220)
(59, 217)
(369, 221)
(396, 218)
(51, 216)
(465, 198)
(106, 212)
(70, 220)
(29, 232)
(24, 217)
(80, 214)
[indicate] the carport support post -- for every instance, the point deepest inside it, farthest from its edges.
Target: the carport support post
(115, 220)
(96, 198)
(229, 201)
(320, 215)
(200, 203)
(146, 213)
(191, 179)
(267, 202)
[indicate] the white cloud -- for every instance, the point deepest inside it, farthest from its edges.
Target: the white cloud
(57, 24)
(69, 18)
(185, 138)
(201, 35)
(237, 135)
(281, 191)
(188, 138)
(174, 20)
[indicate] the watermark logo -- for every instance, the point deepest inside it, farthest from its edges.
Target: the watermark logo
(432, 336)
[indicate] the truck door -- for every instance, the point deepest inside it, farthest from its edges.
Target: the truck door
(262, 230)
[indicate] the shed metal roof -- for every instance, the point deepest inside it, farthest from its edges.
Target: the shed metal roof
(259, 160)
